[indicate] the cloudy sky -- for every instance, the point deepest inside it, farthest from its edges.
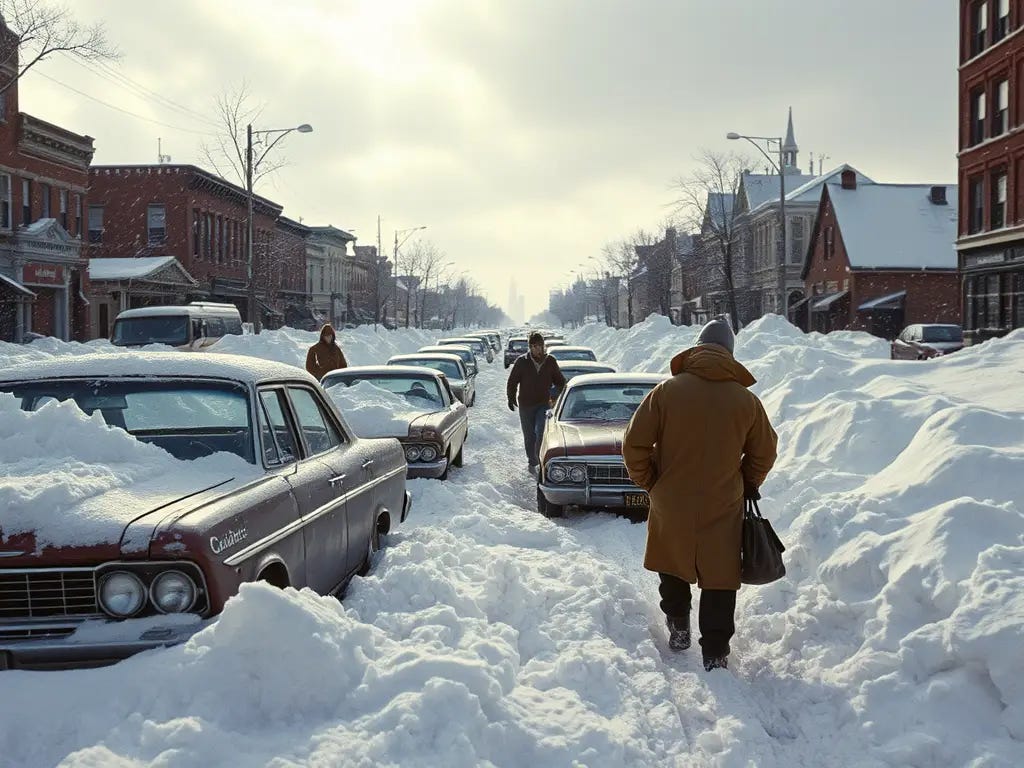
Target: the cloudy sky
(524, 133)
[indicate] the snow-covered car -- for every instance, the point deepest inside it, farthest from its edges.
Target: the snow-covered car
(550, 344)
(925, 341)
(463, 351)
(574, 368)
(415, 405)
(581, 451)
(480, 347)
(517, 346)
(566, 353)
(462, 381)
(262, 480)
(494, 337)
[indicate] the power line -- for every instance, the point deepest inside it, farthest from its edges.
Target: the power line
(122, 109)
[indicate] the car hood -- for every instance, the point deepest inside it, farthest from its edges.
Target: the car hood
(593, 439)
(93, 530)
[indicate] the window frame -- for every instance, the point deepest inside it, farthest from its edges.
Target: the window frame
(277, 391)
(978, 116)
(1000, 195)
(78, 214)
(6, 197)
(26, 202)
(96, 235)
(323, 410)
(979, 28)
(161, 237)
(1001, 27)
(975, 204)
(45, 193)
(1001, 110)
(62, 206)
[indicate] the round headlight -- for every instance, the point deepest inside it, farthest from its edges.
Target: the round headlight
(429, 453)
(412, 453)
(557, 474)
(577, 474)
(122, 594)
(173, 592)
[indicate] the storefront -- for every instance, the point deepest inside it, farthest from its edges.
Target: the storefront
(993, 292)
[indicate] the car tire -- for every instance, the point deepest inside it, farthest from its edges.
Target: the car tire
(448, 466)
(372, 547)
(457, 461)
(546, 508)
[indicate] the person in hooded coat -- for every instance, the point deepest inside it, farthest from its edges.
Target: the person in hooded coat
(325, 356)
(700, 443)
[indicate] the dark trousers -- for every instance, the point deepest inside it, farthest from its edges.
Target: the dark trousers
(717, 619)
(531, 419)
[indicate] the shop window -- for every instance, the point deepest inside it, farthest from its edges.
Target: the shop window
(1018, 300)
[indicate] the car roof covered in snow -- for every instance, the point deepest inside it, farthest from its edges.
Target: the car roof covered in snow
(573, 348)
(617, 379)
(250, 370)
(424, 356)
(437, 349)
(383, 370)
(586, 365)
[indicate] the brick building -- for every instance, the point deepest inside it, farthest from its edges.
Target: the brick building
(991, 160)
(195, 222)
(881, 256)
(44, 175)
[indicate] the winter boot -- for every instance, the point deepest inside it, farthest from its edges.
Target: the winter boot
(716, 662)
(678, 632)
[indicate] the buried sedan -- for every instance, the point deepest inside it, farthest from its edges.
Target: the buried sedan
(270, 484)
(581, 452)
(414, 405)
(460, 378)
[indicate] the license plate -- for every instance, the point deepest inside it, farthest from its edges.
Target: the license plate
(638, 500)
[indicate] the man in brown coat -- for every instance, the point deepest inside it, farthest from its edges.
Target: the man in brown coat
(533, 375)
(325, 356)
(700, 443)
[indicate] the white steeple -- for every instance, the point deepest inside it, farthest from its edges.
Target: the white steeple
(790, 150)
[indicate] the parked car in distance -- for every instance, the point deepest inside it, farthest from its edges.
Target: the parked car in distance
(488, 340)
(550, 344)
(572, 369)
(927, 340)
(434, 439)
(194, 326)
(462, 351)
(494, 336)
(172, 551)
(565, 353)
(480, 347)
(461, 380)
(581, 451)
(517, 346)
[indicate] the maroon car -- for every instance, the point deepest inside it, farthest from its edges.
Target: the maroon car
(927, 340)
(151, 564)
(581, 452)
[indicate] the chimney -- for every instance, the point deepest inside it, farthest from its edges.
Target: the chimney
(938, 196)
(849, 179)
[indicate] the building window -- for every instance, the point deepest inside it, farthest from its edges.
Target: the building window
(796, 246)
(976, 200)
(992, 301)
(998, 200)
(3, 107)
(78, 215)
(95, 223)
(208, 236)
(5, 201)
(1002, 25)
(830, 243)
(44, 193)
(1018, 299)
(156, 224)
(1001, 113)
(979, 27)
(195, 233)
(217, 252)
(63, 196)
(26, 202)
(978, 111)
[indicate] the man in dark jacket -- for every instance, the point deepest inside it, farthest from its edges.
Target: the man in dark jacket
(533, 374)
(325, 356)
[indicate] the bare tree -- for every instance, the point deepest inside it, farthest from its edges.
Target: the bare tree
(706, 203)
(225, 153)
(39, 30)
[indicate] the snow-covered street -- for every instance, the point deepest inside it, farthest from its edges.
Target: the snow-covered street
(486, 634)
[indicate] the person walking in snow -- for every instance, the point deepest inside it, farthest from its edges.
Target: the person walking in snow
(325, 356)
(700, 443)
(533, 374)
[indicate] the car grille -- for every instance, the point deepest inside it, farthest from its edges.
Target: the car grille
(39, 594)
(608, 474)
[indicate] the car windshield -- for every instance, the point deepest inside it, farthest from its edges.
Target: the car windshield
(418, 391)
(187, 419)
(943, 333)
(519, 345)
(448, 367)
(572, 354)
(160, 329)
(569, 372)
(603, 402)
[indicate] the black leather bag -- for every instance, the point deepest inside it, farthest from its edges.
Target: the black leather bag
(761, 557)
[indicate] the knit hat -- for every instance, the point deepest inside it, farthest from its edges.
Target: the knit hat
(717, 332)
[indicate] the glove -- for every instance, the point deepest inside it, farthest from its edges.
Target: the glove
(750, 492)
(511, 405)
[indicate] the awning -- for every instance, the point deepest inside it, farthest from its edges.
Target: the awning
(795, 307)
(269, 310)
(892, 301)
(17, 287)
(824, 303)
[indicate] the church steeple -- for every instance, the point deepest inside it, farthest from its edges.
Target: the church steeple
(790, 150)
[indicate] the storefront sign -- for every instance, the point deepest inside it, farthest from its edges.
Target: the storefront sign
(43, 274)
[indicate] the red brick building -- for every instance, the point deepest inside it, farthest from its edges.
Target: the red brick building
(44, 175)
(881, 257)
(991, 176)
(199, 221)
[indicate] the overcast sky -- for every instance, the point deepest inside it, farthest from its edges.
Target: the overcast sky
(524, 133)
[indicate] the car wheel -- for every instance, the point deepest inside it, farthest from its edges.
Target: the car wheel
(546, 508)
(457, 461)
(447, 467)
(373, 546)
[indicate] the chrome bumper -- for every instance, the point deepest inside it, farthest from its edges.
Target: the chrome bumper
(429, 469)
(406, 506)
(94, 643)
(589, 495)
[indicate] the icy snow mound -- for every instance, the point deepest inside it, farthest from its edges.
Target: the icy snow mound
(375, 412)
(62, 471)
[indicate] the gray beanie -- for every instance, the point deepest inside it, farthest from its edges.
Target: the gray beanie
(717, 332)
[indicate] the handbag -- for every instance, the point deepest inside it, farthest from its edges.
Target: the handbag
(761, 556)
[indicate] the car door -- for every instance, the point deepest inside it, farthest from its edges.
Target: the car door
(351, 464)
(455, 425)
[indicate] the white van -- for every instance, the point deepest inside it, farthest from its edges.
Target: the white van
(194, 326)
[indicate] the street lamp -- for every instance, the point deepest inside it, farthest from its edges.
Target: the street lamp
(253, 315)
(780, 168)
(407, 234)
